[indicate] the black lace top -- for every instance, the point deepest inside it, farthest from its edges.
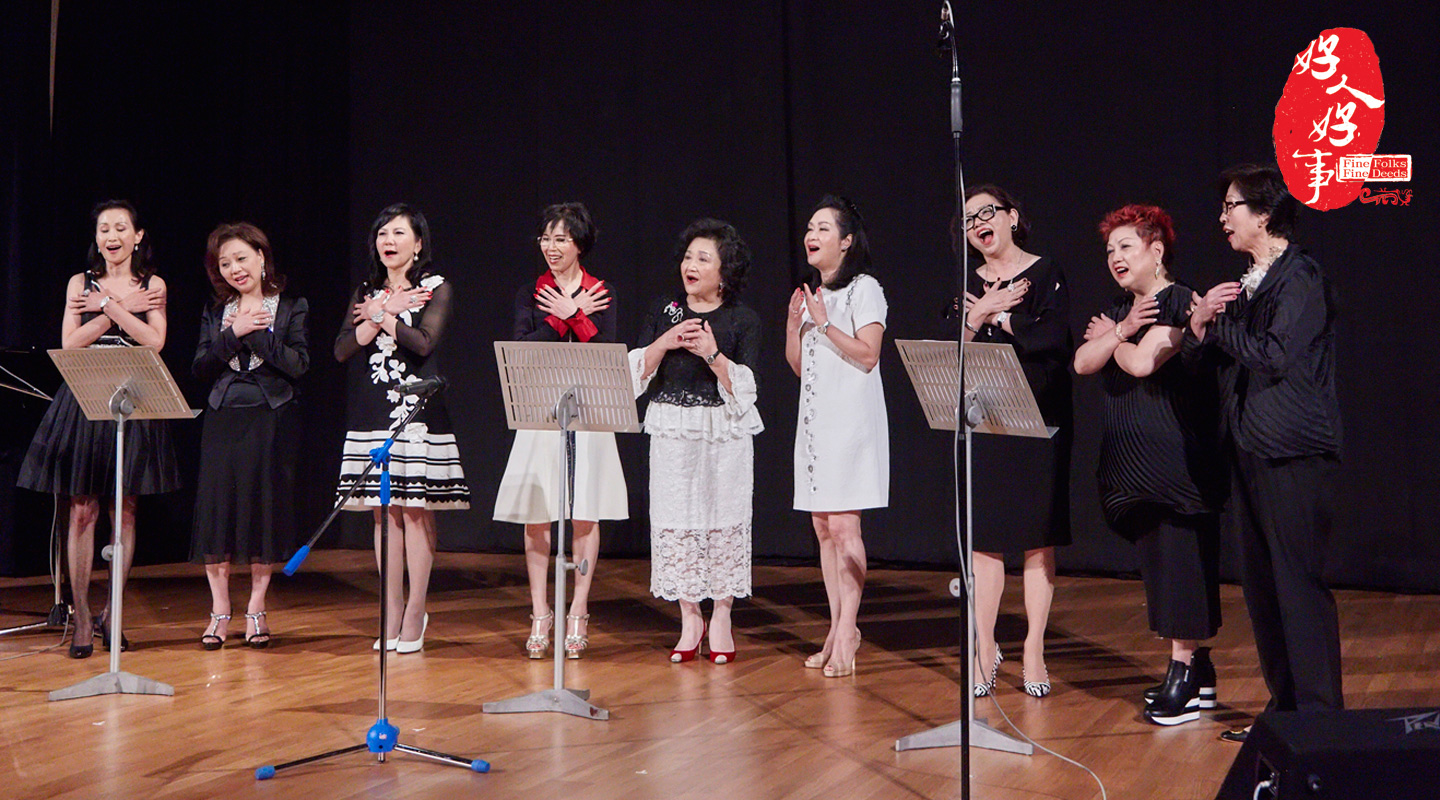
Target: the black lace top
(683, 378)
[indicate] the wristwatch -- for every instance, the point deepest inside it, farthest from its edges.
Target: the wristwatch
(103, 301)
(824, 327)
(1000, 319)
(378, 317)
(710, 359)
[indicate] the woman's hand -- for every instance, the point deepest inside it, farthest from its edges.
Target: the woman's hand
(679, 336)
(594, 299)
(795, 311)
(406, 300)
(815, 302)
(366, 310)
(87, 302)
(555, 302)
(1142, 313)
(1203, 310)
(143, 300)
(982, 310)
(701, 341)
(248, 320)
(1099, 326)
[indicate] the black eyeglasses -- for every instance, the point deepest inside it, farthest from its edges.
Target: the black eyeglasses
(983, 214)
(1226, 206)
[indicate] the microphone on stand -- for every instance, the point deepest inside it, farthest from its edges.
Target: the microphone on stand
(425, 387)
(947, 28)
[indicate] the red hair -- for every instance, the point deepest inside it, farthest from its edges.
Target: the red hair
(1151, 222)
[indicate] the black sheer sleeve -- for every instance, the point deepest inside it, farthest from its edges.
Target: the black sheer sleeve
(215, 347)
(289, 350)
(345, 344)
(423, 340)
(748, 332)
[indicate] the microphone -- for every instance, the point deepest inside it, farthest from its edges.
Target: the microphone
(424, 387)
(947, 28)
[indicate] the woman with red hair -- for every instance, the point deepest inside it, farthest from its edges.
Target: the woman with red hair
(1159, 477)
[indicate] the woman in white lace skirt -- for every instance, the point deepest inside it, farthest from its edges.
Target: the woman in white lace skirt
(696, 363)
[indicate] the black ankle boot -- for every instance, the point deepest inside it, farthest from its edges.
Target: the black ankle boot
(1204, 675)
(1179, 700)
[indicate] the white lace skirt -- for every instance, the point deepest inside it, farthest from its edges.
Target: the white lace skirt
(700, 512)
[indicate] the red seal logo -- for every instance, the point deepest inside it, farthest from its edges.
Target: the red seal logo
(1333, 107)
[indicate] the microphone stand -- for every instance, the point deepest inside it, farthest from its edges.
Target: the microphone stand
(383, 737)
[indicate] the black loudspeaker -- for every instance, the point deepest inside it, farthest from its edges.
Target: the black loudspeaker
(1389, 753)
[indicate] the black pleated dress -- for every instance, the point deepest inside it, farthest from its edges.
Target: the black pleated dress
(1022, 485)
(1162, 481)
(71, 455)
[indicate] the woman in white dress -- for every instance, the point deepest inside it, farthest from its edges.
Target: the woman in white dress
(565, 304)
(695, 361)
(842, 443)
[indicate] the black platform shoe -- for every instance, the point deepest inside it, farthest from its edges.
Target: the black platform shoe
(1204, 674)
(1179, 700)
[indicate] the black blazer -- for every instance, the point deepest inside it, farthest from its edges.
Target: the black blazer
(284, 348)
(1277, 362)
(530, 324)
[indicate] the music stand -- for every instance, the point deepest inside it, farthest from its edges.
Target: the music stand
(998, 401)
(569, 387)
(119, 383)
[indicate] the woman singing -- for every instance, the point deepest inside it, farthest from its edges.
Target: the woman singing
(397, 318)
(1160, 477)
(564, 304)
(695, 359)
(1022, 486)
(252, 350)
(117, 301)
(842, 444)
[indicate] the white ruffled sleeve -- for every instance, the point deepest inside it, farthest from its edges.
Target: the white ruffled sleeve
(638, 380)
(740, 398)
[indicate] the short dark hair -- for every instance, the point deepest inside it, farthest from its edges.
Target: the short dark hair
(578, 224)
(271, 284)
(857, 258)
(139, 260)
(421, 228)
(1264, 190)
(1151, 222)
(734, 253)
(1022, 224)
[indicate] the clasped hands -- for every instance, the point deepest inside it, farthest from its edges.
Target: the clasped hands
(557, 303)
(692, 334)
(392, 303)
(248, 320)
(1142, 313)
(1204, 309)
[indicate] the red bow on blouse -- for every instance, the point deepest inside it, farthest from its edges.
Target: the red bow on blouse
(579, 324)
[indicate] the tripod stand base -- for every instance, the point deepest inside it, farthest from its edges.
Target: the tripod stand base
(566, 701)
(981, 735)
(113, 683)
(478, 765)
(59, 615)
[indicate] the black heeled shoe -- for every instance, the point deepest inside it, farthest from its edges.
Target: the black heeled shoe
(1179, 701)
(102, 627)
(1204, 673)
(78, 650)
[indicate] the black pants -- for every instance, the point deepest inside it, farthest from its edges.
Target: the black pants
(1180, 564)
(1285, 510)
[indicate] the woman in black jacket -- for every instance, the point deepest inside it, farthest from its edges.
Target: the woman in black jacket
(252, 349)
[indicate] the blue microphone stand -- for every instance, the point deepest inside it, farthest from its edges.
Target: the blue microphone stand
(382, 737)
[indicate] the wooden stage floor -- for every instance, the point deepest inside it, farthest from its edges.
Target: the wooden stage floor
(763, 727)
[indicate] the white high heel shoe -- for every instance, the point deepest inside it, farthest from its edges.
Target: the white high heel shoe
(417, 645)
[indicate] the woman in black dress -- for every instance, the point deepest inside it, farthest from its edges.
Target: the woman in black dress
(397, 318)
(1160, 479)
(1022, 485)
(117, 302)
(252, 350)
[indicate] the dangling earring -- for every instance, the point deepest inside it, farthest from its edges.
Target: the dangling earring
(262, 273)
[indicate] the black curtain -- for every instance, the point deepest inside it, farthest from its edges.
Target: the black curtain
(308, 121)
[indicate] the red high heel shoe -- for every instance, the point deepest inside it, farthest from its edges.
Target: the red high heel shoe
(681, 656)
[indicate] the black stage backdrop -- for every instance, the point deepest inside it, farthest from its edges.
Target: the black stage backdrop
(307, 119)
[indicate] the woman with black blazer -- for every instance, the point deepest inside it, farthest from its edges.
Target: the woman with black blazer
(252, 349)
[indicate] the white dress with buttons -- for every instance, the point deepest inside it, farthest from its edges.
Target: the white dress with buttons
(842, 441)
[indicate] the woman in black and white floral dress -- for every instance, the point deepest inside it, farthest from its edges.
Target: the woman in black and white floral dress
(397, 318)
